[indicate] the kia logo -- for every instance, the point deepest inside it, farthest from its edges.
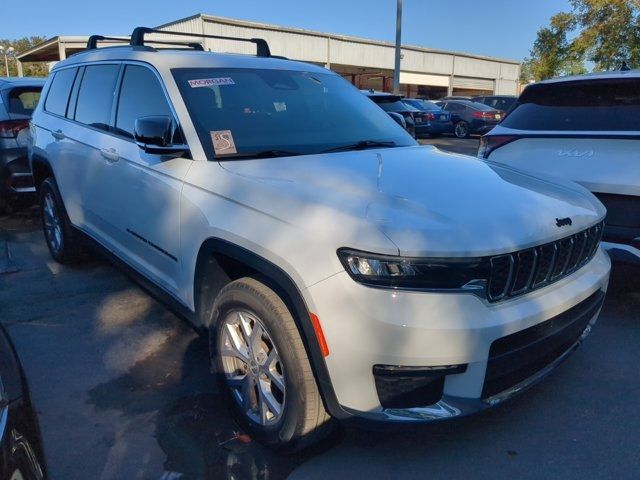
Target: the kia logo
(575, 153)
(563, 222)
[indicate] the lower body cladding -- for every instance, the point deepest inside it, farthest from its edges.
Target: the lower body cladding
(404, 356)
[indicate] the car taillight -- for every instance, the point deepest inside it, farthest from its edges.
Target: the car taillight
(488, 143)
(11, 128)
(483, 115)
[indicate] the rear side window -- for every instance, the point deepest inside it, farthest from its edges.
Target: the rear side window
(58, 96)
(396, 106)
(95, 97)
(594, 105)
(23, 100)
(454, 107)
(141, 95)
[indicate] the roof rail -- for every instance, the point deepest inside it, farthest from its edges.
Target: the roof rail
(137, 39)
(92, 43)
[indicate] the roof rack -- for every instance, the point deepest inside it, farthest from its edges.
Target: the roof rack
(137, 39)
(92, 43)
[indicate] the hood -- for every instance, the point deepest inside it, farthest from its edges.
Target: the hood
(427, 202)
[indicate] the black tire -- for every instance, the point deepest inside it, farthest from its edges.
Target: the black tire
(304, 420)
(63, 244)
(461, 129)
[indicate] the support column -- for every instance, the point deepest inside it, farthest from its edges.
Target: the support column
(453, 74)
(19, 67)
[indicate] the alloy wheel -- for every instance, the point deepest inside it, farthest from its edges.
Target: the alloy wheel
(461, 130)
(252, 367)
(52, 223)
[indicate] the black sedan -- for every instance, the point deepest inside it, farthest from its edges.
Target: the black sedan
(393, 104)
(499, 102)
(470, 117)
(436, 121)
(21, 454)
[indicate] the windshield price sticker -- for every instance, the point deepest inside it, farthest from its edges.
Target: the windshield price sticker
(223, 143)
(209, 82)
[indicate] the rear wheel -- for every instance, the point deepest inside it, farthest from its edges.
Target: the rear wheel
(263, 368)
(60, 236)
(461, 129)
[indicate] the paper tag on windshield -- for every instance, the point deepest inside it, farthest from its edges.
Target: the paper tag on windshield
(208, 82)
(223, 143)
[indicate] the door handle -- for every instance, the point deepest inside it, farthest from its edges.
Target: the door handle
(57, 134)
(110, 154)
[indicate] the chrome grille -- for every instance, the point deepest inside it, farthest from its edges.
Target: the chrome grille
(520, 272)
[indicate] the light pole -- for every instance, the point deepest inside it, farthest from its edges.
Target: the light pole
(396, 71)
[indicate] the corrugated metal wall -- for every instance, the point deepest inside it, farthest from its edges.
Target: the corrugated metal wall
(464, 71)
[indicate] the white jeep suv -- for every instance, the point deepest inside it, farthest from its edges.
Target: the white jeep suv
(587, 129)
(340, 269)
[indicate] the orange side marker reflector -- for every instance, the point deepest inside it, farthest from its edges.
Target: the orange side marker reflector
(319, 335)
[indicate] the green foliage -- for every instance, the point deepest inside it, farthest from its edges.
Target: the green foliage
(603, 32)
(29, 69)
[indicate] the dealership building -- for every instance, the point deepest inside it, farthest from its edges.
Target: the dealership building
(425, 72)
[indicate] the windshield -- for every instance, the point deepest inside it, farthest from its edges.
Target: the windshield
(240, 112)
(23, 100)
(594, 105)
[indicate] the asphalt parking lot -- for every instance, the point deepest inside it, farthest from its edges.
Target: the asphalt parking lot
(122, 390)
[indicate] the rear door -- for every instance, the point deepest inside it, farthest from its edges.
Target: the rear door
(87, 137)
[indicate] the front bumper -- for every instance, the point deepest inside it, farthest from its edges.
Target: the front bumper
(365, 327)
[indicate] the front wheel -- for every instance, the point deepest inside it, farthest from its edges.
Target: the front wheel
(263, 368)
(461, 129)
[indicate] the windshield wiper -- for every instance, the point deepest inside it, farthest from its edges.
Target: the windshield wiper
(260, 154)
(361, 145)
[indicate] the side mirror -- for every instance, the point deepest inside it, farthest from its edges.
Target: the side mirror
(154, 134)
(399, 119)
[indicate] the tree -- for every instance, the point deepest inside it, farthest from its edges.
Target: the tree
(610, 32)
(552, 53)
(20, 45)
(603, 32)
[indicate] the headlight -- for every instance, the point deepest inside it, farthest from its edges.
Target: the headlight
(416, 273)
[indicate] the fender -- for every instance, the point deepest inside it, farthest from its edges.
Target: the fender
(278, 280)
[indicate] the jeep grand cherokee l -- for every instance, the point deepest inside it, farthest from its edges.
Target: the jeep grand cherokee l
(339, 268)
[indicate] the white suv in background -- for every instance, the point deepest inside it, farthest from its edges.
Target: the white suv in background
(339, 268)
(586, 129)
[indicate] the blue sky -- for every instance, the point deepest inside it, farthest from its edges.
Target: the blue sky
(503, 28)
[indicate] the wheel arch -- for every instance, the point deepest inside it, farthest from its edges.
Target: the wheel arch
(220, 262)
(40, 170)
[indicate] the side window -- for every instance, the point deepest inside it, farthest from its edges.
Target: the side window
(141, 95)
(58, 96)
(95, 96)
